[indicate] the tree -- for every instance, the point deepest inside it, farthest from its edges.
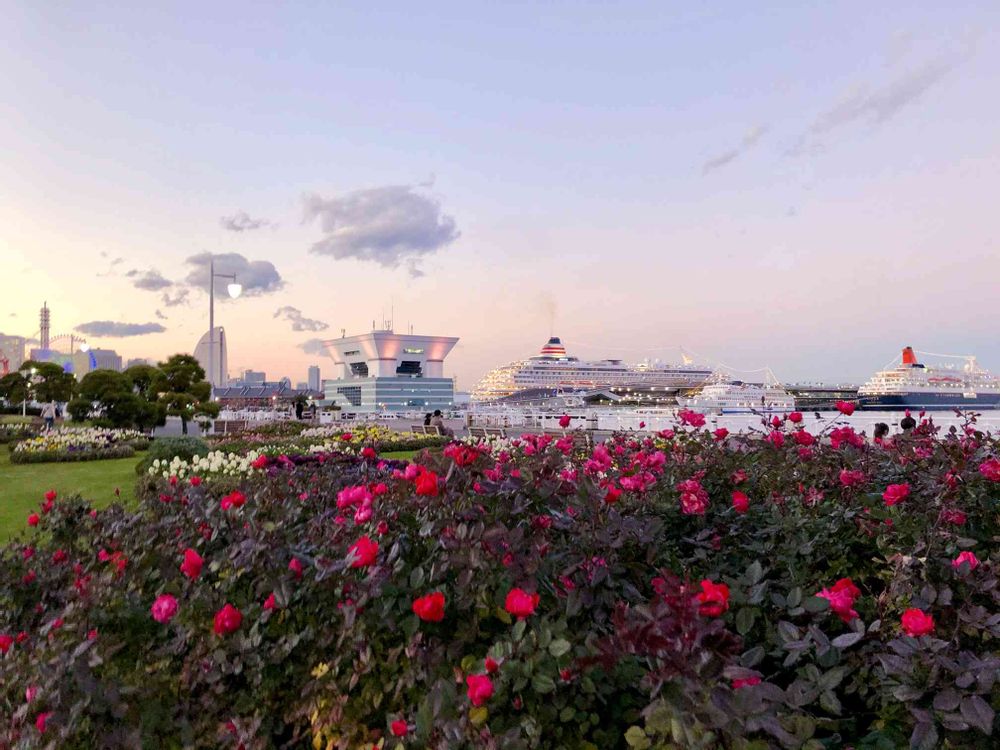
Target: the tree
(121, 398)
(181, 387)
(13, 387)
(49, 381)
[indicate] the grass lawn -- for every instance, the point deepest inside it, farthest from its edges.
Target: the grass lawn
(401, 455)
(23, 486)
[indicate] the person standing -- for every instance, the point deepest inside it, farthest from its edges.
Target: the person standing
(49, 415)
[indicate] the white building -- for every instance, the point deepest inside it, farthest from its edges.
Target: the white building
(220, 360)
(386, 371)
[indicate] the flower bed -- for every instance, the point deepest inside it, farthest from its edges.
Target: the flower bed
(12, 432)
(79, 444)
(691, 590)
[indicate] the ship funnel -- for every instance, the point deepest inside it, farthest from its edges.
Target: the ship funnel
(554, 348)
(909, 358)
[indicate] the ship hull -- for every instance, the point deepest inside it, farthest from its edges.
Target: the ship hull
(929, 402)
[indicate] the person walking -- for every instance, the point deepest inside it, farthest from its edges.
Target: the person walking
(49, 415)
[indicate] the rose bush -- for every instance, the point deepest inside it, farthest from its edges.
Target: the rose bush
(527, 596)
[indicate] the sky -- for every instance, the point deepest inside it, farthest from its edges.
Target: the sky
(804, 186)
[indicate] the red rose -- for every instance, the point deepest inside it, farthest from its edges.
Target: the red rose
(399, 728)
(747, 681)
(270, 603)
(50, 496)
(851, 478)
(33, 519)
(429, 608)
(845, 407)
(228, 620)
(841, 597)
(916, 623)
(991, 469)
(520, 603)
(741, 503)
(191, 567)
(295, 566)
(234, 499)
(6, 641)
(776, 438)
(480, 688)
(259, 463)
(368, 452)
(364, 551)
(564, 421)
(691, 418)
(713, 598)
(721, 434)
(426, 482)
(613, 495)
(954, 516)
(896, 493)
(491, 664)
(40, 721)
(795, 417)
(966, 557)
(347, 437)
(803, 438)
(164, 608)
(195, 481)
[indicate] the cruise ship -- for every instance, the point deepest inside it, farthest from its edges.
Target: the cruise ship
(912, 385)
(553, 368)
(737, 397)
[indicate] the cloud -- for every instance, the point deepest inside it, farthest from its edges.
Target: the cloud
(160, 315)
(112, 329)
(180, 298)
(299, 322)
(258, 277)
(389, 225)
(150, 280)
(313, 346)
(873, 105)
(748, 142)
(241, 222)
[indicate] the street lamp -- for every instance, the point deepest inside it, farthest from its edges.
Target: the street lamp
(27, 392)
(234, 290)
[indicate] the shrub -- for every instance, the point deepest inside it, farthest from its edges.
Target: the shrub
(86, 454)
(166, 448)
(619, 598)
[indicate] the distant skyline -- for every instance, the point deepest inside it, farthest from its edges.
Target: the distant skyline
(808, 188)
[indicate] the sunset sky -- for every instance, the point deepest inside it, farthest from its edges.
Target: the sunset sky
(805, 188)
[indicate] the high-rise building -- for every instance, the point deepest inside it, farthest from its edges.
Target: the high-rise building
(314, 380)
(139, 361)
(11, 350)
(106, 359)
(44, 322)
(254, 376)
(386, 371)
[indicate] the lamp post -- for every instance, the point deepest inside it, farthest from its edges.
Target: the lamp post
(27, 391)
(234, 290)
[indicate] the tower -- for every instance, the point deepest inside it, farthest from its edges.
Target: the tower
(43, 327)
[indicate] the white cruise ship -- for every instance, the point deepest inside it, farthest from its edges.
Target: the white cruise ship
(553, 368)
(736, 397)
(916, 386)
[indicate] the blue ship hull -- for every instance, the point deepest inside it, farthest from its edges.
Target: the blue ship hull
(930, 402)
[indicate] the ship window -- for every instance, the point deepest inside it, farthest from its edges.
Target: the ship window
(409, 367)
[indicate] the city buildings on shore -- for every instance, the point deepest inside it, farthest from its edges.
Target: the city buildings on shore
(383, 371)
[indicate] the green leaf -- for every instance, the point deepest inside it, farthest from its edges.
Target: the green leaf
(846, 640)
(815, 604)
(559, 647)
(567, 714)
(978, 713)
(518, 633)
(543, 684)
(636, 737)
(416, 577)
(755, 572)
(744, 620)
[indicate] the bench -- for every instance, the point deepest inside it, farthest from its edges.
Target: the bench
(426, 429)
(486, 432)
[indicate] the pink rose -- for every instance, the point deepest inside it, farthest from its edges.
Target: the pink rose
(399, 728)
(991, 469)
(845, 407)
(191, 567)
(520, 603)
(364, 551)
(228, 620)
(164, 608)
(916, 623)
(896, 493)
(741, 503)
(965, 557)
(564, 421)
(480, 688)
